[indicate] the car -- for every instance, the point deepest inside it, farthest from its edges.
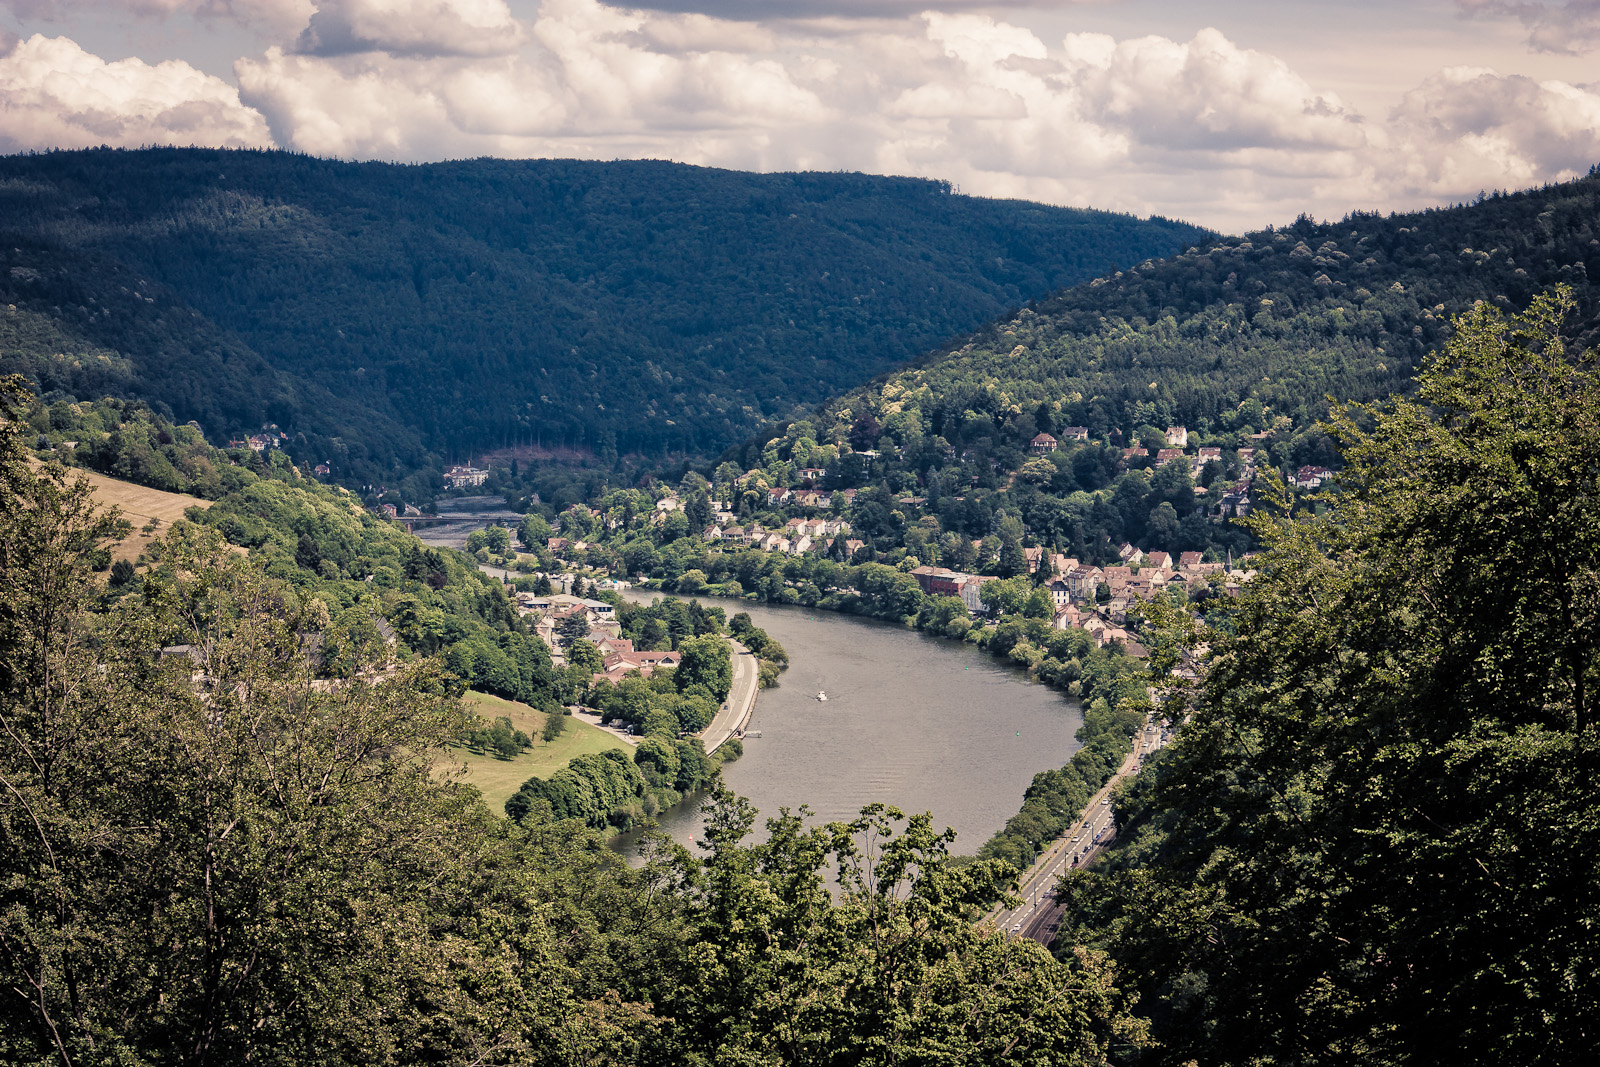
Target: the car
(1016, 928)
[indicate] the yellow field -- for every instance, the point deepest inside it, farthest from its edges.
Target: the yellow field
(139, 505)
(497, 779)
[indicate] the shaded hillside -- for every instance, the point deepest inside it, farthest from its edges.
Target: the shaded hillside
(1238, 331)
(634, 306)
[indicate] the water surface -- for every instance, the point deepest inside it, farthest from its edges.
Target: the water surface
(922, 723)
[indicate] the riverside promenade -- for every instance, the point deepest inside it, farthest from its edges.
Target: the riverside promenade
(735, 713)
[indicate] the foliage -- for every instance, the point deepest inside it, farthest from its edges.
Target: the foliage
(218, 855)
(1375, 836)
(389, 313)
(892, 971)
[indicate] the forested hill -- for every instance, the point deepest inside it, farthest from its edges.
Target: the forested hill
(635, 306)
(1238, 332)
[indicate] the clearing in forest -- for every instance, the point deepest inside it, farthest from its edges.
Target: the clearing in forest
(498, 778)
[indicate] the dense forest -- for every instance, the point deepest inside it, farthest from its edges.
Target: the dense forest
(1375, 838)
(228, 833)
(1241, 341)
(387, 314)
(229, 830)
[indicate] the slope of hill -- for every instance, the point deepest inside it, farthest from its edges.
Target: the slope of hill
(460, 306)
(1275, 320)
(1241, 341)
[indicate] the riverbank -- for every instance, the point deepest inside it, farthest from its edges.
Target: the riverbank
(912, 722)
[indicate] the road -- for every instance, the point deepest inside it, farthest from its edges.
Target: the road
(735, 712)
(1094, 828)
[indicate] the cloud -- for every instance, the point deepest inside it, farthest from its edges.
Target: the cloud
(1205, 95)
(280, 18)
(1469, 128)
(1202, 129)
(1571, 27)
(411, 28)
(54, 94)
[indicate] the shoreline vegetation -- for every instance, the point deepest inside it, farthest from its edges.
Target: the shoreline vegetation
(1111, 688)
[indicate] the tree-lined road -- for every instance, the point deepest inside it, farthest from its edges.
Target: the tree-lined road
(735, 711)
(1094, 827)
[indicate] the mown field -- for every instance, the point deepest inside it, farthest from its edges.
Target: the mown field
(498, 778)
(139, 506)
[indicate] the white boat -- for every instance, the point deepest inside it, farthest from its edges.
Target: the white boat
(822, 696)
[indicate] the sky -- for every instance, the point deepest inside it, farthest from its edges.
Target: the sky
(1233, 115)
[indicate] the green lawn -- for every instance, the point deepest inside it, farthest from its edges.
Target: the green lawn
(497, 778)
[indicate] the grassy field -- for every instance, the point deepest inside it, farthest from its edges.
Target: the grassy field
(139, 505)
(496, 778)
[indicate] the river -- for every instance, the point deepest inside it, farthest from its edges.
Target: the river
(922, 723)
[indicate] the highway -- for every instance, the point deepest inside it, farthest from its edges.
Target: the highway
(1094, 828)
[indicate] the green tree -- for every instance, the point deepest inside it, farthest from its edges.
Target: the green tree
(585, 655)
(1376, 834)
(707, 662)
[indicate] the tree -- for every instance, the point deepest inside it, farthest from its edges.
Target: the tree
(891, 971)
(585, 655)
(707, 661)
(573, 627)
(1398, 725)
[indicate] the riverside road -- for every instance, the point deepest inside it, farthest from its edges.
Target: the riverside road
(1039, 915)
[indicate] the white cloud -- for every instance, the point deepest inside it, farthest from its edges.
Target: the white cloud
(1466, 129)
(411, 28)
(1202, 129)
(54, 94)
(1207, 94)
(1570, 27)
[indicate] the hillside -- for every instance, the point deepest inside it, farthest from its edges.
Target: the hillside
(456, 307)
(1238, 343)
(1282, 317)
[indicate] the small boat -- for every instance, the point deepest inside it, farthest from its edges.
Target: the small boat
(822, 696)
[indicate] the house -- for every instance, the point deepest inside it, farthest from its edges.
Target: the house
(812, 474)
(1083, 582)
(1188, 560)
(260, 442)
(1135, 453)
(1158, 560)
(777, 498)
(389, 511)
(1177, 437)
(712, 533)
(1076, 433)
(1068, 618)
(1118, 575)
(1060, 595)
(1042, 444)
(1129, 554)
(1206, 455)
(1309, 477)
(667, 504)
(1034, 556)
(937, 581)
(618, 664)
(458, 476)
(1167, 455)
(969, 594)
(801, 545)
